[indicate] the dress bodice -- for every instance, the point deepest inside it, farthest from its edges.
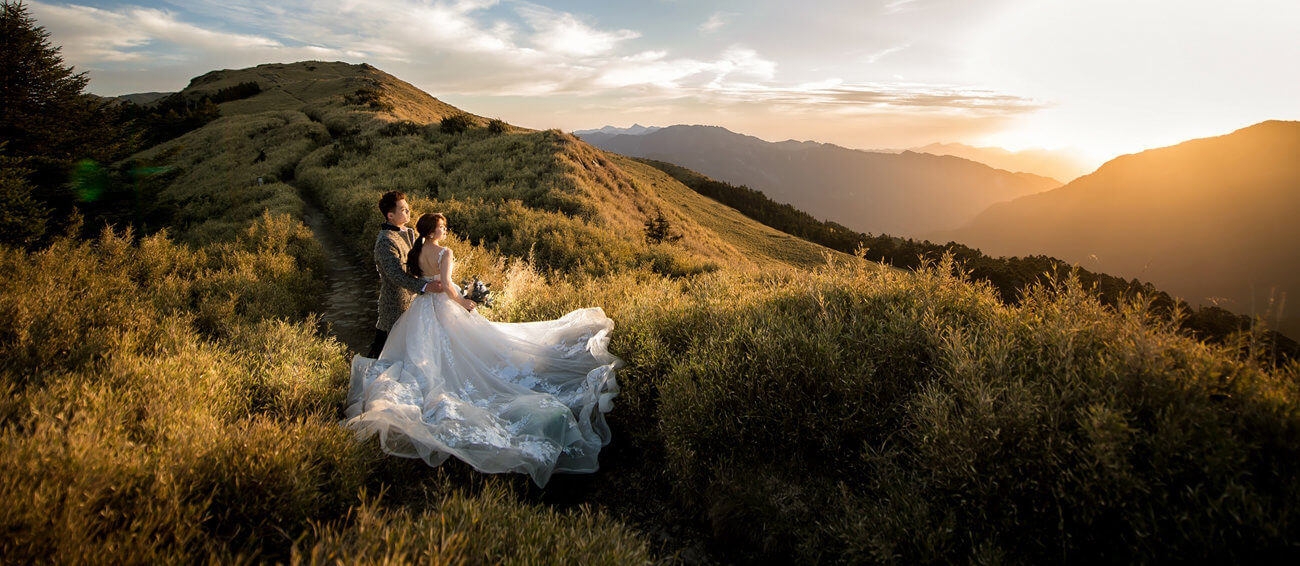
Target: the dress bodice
(431, 263)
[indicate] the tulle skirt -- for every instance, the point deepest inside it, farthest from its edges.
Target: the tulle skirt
(503, 397)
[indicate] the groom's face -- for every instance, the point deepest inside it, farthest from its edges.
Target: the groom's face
(400, 215)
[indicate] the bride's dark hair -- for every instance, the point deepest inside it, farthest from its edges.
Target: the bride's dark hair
(424, 227)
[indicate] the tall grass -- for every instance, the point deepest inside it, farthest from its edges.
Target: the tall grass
(865, 415)
(169, 403)
(168, 398)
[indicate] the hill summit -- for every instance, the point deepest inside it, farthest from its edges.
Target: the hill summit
(311, 84)
(359, 131)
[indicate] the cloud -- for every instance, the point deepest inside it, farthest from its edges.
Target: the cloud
(871, 59)
(97, 37)
(91, 35)
(94, 33)
(483, 49)
(715, 22)
(653, 68)
(834, 96)
(563, 33)
(896, 6)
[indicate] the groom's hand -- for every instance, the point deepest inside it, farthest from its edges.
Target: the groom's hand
(433, 287)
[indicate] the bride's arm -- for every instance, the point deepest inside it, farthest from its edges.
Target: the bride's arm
(449, 289)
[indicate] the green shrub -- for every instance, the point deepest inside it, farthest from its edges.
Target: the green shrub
(880, 417)
(371, 97)
(401, 128)
(456, 124)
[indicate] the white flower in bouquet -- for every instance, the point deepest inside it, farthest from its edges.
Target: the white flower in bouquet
(477, 291)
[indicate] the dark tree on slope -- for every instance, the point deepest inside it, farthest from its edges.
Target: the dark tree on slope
(22, 219)
(659, 230)
(44, 116)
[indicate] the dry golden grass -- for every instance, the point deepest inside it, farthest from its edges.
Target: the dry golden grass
(169, 399)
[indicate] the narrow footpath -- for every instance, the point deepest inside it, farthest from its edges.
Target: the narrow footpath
(349, 309)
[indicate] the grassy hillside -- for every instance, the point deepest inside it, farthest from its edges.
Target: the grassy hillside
(517, 190)
(170, 399)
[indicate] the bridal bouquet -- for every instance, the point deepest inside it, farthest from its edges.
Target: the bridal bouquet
(477, 291)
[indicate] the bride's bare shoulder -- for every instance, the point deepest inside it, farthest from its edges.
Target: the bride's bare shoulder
(435, 253)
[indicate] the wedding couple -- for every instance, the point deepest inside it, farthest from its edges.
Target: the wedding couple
(441, 380)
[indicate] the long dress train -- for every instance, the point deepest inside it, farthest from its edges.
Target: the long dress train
(503, 397)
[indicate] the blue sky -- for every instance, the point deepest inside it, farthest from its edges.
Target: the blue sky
(1104, 76)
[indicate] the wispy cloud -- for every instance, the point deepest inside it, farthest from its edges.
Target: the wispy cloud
(716, 22)
(872, 58)
(896, 6)
(880, 98)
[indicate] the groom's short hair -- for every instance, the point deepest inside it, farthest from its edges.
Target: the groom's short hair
(388, 202)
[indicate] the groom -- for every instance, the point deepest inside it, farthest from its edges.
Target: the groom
(396, 286)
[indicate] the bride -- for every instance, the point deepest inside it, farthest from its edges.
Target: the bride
(503, 397)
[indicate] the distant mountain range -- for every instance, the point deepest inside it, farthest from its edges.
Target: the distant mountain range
(903, 194)
(635, 130)
(141, 98)
(1058, 164)
(1211, 220)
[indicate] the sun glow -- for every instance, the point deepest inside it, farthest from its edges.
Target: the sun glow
(1120, 77)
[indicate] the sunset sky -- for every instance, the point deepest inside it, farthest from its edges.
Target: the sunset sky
(1103, 76)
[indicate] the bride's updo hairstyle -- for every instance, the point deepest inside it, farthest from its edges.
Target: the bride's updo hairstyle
(424, 227)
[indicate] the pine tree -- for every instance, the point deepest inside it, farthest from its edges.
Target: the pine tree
(47, 125)
(659, 230)
(43, 113)
(22, 219)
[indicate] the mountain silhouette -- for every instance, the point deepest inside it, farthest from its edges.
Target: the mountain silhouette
(1212, 220)
(1056, 164)
(140, 98)
(902, 194)
(611, 131)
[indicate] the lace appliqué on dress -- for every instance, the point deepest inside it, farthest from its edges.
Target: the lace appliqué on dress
(524, 398)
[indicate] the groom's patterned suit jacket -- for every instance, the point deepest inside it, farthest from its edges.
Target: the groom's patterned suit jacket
(396, 286)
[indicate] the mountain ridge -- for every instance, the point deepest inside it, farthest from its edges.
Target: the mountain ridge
(1061, 165)
(634, 129)
(901, 194)
(1051, 164)
(1208, 219)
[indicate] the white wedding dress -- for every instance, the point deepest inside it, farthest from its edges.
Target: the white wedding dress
(503, 397)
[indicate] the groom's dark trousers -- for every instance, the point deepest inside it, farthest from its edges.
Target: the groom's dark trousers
(377, 346)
